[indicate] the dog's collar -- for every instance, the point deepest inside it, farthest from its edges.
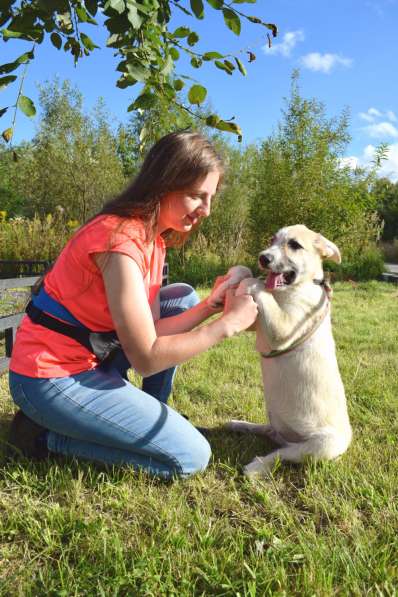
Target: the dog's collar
(277, 353)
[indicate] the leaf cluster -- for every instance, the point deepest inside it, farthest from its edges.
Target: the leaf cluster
(139, 31)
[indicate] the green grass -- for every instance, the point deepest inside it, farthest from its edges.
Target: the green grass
(70, 528)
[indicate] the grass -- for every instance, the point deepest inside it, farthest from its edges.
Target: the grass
(71, 528)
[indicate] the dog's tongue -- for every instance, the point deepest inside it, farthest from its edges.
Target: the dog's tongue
(273, 281)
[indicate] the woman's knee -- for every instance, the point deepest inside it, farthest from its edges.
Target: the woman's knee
(180, 295)
(196, 457)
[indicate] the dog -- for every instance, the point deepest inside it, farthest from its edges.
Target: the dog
(304, 393)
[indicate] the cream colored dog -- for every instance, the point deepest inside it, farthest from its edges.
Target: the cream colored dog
(304, 393)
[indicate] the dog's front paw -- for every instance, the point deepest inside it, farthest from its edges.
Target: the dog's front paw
(259, 467)
(250, 286)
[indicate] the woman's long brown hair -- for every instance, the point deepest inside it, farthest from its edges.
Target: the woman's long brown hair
(174, 163)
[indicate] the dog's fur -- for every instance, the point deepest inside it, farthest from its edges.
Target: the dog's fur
(304, 393)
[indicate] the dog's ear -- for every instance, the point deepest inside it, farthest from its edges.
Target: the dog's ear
(327, 249)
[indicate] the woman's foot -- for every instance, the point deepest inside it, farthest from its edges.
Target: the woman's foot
(27, 437)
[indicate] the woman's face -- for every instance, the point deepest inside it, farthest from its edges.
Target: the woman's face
(181, 210)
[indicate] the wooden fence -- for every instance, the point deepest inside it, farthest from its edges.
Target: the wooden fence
(9, 323)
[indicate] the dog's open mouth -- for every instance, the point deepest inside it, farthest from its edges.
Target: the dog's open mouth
(279, 280)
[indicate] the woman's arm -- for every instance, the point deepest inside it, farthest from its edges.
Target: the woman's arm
(184, 322)
(147, 350)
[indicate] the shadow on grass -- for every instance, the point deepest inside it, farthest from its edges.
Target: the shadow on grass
(228, 448)
(236, 449)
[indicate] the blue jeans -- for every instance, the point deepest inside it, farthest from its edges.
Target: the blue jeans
(99, 415)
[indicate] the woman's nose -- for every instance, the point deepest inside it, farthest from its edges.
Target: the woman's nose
(205, 208)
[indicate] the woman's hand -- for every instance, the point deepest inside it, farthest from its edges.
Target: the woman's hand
(240, 312)
(231, 280)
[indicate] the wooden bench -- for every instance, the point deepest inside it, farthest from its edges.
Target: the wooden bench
(9, 323)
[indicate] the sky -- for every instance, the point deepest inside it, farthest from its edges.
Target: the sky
(346, 51)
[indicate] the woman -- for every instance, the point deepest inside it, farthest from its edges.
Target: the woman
(108, 277)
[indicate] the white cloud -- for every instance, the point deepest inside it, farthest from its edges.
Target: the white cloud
(373, 114)
(381, 129)
(289, 41)
(324, 62)
(389, 167)
(370, 115)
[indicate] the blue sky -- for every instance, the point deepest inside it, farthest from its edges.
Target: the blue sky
(346, 50)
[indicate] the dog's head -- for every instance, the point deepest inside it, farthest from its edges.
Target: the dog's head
(295, 256)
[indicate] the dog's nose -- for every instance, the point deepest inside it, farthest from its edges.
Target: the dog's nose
(265, 259)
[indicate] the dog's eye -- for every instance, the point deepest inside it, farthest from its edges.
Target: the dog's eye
(293, 244)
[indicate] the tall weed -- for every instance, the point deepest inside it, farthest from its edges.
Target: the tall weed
(37, 238)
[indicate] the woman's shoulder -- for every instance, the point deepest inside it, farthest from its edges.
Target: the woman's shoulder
(113, 225)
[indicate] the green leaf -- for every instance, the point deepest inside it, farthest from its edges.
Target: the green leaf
(134, 17)
(229, 65)
(7, 135)
(144, 101)
(197, 8)
(168, 65)
(178, 85)
(217, 4)
(222, 66)
(181, 32)
(197, 94)
(117, 5)
(88, 42)
(8, 34)
(212, 55)
(83, 15)
(138, 71)
(92, 6)
(174, 53)
(10, 66)
(273, 28)
(196, 62)
(26, 105)
(240, 66)
(5, 81)
(232, 20)
(212, 120)
(229, 127)
(3, 111)
(192, 38)
(56, 40)
(125, 81)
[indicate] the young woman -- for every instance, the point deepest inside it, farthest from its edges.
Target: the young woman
(108, 277)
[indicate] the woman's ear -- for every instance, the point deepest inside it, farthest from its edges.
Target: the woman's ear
(327, 249)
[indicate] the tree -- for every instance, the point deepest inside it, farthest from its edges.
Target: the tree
(139, 31)
(300, 179)
(72, 161)
(387, 206)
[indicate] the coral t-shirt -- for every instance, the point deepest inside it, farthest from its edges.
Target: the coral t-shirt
(76, 282)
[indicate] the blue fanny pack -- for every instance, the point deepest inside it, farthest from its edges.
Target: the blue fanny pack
(49, 313)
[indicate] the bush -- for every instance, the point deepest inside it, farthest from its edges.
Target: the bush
(390, 251)
(367, 265)
(35, 239)
(197, 269)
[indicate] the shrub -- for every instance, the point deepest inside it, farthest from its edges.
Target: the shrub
(35, 239)
(366, 265)
(390, 251)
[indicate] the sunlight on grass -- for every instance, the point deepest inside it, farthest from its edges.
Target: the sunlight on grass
(70, 528)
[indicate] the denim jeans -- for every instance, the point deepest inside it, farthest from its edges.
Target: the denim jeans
(99, 415)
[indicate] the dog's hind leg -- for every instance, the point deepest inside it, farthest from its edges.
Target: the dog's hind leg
(321, 447)
(255, 429)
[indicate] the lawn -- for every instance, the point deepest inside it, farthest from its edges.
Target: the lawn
(71, 528)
